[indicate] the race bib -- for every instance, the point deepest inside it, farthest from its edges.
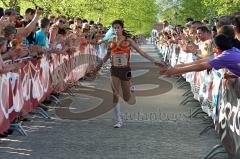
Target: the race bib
(120, 60)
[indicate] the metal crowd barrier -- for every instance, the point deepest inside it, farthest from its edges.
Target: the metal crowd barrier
(219, 99)
(24, 90)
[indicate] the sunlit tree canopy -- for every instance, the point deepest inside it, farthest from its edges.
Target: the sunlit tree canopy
(138, 15)
(177, 10)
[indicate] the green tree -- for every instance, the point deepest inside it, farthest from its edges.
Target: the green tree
(197, 9)
(178, 11)
(222, 7)
(10, 3)
(168, 10)
(192, 8)
(138, 15)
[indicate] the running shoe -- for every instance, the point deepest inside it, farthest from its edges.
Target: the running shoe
(118, 125)
(132, 87)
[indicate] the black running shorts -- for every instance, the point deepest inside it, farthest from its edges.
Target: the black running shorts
(123, 74)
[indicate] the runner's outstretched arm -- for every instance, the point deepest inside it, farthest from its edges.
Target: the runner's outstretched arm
(188, 68)
(145, 55)
(106, 57)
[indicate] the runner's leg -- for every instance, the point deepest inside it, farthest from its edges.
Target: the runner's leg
(127, 95)
(116, 83)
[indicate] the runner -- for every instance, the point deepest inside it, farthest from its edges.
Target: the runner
(119, 50)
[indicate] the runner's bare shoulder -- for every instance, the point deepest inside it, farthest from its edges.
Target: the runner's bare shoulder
(131, 41)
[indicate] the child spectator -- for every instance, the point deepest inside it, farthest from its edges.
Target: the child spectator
(40, 36)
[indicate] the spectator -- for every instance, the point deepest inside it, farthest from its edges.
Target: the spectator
(189, 20)
(1, 12)
(9, 67)
(54, 29)
(194, 26)
(18, 49)
(11, 14)
(227, 57)
(166, 26)
(3, 48)
(41, 37)
(179, 29)
(236, 26)
(77, 23)
(205, 21)
(70, 22)
(25, 32)
(29, 14)
(193, 41)
(84, 21)
(76, 30)
(223, 20)
(52, 19)
(214, 31)
(10, 33)
(228, 30)
(205, 44)
(91, 22)
(99, 21)
(60, 40)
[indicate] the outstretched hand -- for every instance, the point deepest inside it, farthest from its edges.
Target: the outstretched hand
(160, 64)
(167, 71)
(39, 11)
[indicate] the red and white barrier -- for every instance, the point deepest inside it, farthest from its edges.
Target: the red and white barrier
(24, 89)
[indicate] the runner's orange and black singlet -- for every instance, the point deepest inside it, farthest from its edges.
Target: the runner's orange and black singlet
(120, 57)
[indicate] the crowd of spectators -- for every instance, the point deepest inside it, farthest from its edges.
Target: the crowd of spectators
(33, 35)
(207, 40)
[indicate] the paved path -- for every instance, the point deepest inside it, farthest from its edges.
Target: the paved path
(156, 127)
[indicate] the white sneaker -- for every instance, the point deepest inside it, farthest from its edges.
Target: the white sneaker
(132, 87)
(119, 121)
(118, 125)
